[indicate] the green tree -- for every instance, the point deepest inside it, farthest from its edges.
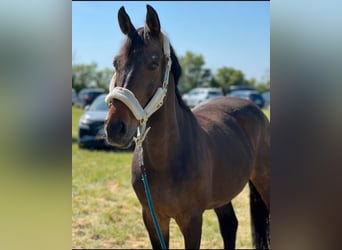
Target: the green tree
(262, 87)
(83, 75)
(265, 82)
(252, 82)
(206, 78)
(88, 76)
(103, 78)
(192, 71)
(228, 76)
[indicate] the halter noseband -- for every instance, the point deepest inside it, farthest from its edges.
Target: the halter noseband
(128, 98)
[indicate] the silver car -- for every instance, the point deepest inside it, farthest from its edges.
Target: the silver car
(198, 95)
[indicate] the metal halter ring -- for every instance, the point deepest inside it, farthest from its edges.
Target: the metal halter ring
(144, 119)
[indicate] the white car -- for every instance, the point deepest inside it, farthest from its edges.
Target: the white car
(198, 95)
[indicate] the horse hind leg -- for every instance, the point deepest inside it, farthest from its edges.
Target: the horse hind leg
(261, 178)
(259, 219)
(259, 186)
(228, 225)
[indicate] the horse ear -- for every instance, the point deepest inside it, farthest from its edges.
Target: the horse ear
(125, 23)
(152, 21)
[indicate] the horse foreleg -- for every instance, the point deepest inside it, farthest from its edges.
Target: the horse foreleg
(228, 225)
(191, 228)
(164, 224)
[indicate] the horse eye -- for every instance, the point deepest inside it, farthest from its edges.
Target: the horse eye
(153, 65)
(153, 62)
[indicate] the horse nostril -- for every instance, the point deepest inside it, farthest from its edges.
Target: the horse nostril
(121, 128)
(116, 129)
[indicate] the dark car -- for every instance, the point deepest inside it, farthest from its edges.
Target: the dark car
(91, 126)
(252, 95)
(87, 96)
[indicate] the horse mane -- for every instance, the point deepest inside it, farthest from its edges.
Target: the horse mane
(177, 72)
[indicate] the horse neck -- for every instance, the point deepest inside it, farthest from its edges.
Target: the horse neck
(168, 128)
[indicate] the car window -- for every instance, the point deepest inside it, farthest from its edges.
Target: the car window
(94, 94)
(238, 93)
(214, 93)
(99, 104)
(198, 92)
(256, 96)
(81, 94)
(266, 95)
(90, 92)
(193, 92)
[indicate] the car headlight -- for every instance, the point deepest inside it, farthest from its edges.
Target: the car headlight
(84, 122)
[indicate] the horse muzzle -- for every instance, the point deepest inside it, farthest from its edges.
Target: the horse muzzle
(118, 134)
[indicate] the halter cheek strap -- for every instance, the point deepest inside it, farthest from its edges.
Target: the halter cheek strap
(128, 98)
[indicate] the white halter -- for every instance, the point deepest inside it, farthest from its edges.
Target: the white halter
(128, 98)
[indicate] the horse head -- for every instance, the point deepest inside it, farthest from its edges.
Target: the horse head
(138, 86)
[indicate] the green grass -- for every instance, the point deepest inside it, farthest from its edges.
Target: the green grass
(107, 214)
(267, 112)
(76, 114)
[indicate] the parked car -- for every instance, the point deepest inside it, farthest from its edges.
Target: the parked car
(87, 96)
(266, 96)
(91, 126)
(252, 95)
(73, 96)
(240, 87)
(198, 95)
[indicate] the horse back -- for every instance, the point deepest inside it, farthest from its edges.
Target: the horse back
(225, 116)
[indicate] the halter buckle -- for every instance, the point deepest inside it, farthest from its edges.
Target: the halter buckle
(144, 119)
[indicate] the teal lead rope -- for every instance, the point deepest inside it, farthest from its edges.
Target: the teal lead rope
(153, 213)
(150, 204)
(138, 141)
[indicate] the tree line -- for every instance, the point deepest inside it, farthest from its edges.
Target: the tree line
(194, 74)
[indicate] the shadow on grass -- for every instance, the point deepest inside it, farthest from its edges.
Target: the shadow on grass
(103, 147)
(74, 140)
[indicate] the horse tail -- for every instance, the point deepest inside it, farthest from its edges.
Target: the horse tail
(259, 219)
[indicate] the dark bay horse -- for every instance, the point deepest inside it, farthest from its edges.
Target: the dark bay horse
(195, 159)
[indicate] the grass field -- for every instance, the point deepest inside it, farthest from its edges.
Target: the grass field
(107, 214)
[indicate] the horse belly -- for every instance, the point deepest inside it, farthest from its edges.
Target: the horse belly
(231, 172)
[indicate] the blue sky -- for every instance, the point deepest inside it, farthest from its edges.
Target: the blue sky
(232, 34)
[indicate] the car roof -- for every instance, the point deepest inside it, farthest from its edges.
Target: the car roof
(245, 92)
(206, 89)
(92, 90)
(101, 96)
(241, 87)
